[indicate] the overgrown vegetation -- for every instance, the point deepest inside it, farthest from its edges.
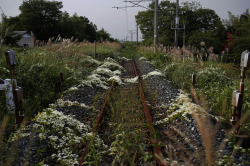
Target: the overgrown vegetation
(214, 85)
(38, 70)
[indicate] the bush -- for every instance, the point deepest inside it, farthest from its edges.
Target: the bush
(38, 70)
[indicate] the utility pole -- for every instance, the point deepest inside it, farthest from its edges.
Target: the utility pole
(127, 38)
(184, 37)
(4, 16)
(177, 20)
(136, 34)
(136, 3)
(131, 34)
(156, 26)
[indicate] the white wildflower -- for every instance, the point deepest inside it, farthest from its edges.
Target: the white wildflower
(131, 80)
(153, 73)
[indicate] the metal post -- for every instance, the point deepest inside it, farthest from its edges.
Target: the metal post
(62, 81)
(156, 26)
(184, 27)
(17, 91)
(193, 86)
(95, 49)
(242, 76)
(239, 109)
(177, 19)
(137, 35)
(193, 80)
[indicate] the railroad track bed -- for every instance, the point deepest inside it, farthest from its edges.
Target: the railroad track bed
(75, 129)
(185, 136)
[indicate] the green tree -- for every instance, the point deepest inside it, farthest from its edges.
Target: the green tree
(239, 26)
(6, 33)
(103, 35)
(41, 17)
(77, 27)
(196, 18)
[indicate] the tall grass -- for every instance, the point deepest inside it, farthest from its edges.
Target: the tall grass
(38, 70)
(215, 82)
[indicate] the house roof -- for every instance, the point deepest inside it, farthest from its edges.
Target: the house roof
(21, 32)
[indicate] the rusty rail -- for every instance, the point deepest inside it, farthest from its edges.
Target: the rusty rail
(154, 141)
(97, 123)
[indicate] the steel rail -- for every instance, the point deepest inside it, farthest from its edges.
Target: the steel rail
(154, 141)
(97, 123)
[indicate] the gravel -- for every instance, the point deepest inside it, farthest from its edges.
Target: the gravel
(158, 90)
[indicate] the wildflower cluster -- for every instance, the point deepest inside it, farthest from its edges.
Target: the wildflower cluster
(131, 80)
(153, 73)
(62, 132)
(22, 132)
(181, 107)
(67, 103)
(212, 76)
(110, 70)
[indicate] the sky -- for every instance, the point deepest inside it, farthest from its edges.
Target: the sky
(119, 22)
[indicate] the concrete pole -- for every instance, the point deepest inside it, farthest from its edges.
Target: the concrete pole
(95, 49)
(177, 19)
(184, 35)
(137, 35)
(156, 26)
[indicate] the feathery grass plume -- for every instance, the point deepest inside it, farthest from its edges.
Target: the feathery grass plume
(208, 133)
(3, 127)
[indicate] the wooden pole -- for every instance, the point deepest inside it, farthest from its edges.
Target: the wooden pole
(95, 49)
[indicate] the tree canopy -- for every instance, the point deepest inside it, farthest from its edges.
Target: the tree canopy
(46, 20)
(197, 20)
(41, 17)
(238, 34)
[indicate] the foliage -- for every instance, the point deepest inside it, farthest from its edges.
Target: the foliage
(217, 87)
(46, 20)
(41, 17)
(77, 27)
(215, 82)
(38, 70)
(6, 34)
(197, 19)
(239, 26)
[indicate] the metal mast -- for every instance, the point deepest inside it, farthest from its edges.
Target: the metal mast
(156, 26)
(177, 20)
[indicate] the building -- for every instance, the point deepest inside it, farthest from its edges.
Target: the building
(27, 38)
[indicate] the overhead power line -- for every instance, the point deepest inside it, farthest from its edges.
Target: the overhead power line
(133, 4)
(136, 3)
(2, 12)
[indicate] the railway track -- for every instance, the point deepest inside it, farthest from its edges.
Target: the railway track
(123, 133)
(125, 125)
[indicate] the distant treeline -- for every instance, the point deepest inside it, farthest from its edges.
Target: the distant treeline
(201, 25)
(45, 20)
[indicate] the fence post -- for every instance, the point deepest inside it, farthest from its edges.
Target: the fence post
(237, 100)
(7, 86)
(17, 92)
(95, 53)
(62, 81)
(193, 94)
(193, 80)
